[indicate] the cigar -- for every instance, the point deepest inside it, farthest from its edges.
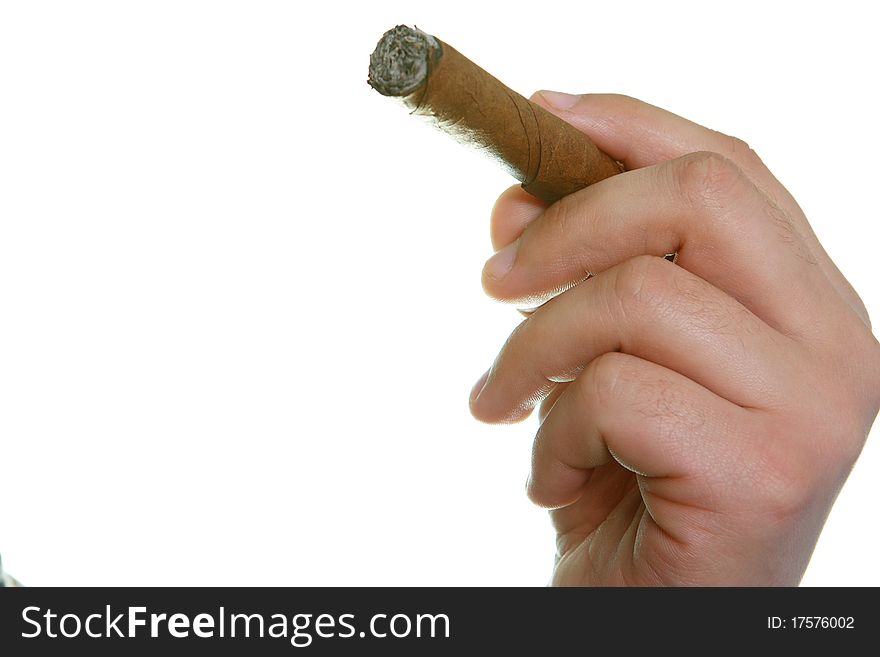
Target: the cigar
(548, 156)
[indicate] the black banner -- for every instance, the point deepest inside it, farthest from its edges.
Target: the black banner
(414, 621)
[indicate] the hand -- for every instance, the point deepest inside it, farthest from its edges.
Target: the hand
(698, 420)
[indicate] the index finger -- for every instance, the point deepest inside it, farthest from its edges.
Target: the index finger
(639, 135)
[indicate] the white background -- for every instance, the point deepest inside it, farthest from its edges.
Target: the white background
(239, 321)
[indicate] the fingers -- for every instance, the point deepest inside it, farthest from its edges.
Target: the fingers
(640, 135)
(701, 205)
(651, 420)
(649, 308)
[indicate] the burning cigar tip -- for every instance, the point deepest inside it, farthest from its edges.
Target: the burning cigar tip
(436, 82)
(401, 61)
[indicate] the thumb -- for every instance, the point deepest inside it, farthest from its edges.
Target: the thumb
(630, 130)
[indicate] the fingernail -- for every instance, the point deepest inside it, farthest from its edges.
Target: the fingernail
(559, 100)
(501, 263)
(478, 387)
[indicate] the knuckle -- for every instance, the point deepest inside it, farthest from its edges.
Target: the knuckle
(739, 150)
(863, 351)
(602, 379)
(844, 427)
(707, 179)
(639, 282)
(848, 442)
(804, 457)
(866, 317)
(786, 473)
(809, 445)
(873, 377)
(850, 401)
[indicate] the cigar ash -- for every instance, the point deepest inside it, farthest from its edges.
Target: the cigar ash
(400, 63)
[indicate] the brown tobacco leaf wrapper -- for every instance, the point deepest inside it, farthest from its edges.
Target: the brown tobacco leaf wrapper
(548, 156)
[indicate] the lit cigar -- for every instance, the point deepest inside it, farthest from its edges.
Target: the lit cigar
(548, 156)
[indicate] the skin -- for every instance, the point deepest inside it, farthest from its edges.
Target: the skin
(698, 420)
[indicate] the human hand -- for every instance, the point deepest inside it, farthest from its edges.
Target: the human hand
(698, 420)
